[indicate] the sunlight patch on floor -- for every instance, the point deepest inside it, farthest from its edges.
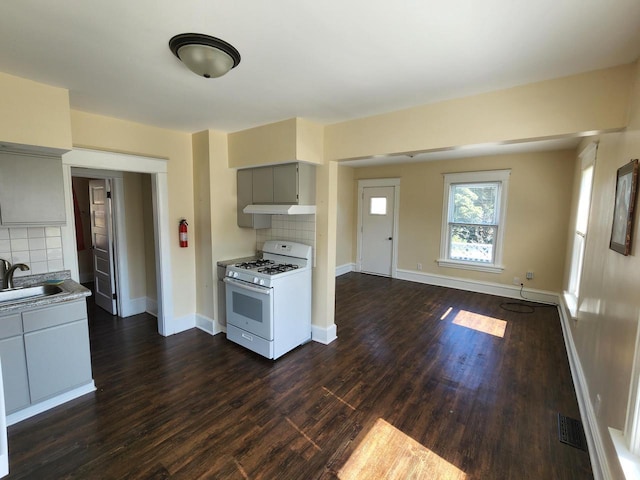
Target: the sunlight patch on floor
(387, 453)
(480, 323)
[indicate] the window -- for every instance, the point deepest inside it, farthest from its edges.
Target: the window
(587, 157)
(473, 220)
(378, 206)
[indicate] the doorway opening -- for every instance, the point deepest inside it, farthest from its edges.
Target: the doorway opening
(152, 171)
(106, 202)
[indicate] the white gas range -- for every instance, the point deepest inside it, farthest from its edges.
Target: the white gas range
(269, 300)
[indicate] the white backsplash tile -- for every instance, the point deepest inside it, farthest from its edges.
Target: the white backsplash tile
(54, 242)
(19, 244)
(38, 256)
(295, 228)
(37, 243)
(36, 232)
(38, 247)
(17, 233)
(52, 231)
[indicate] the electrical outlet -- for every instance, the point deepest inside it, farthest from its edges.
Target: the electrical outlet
(529, 275)
(419, 266)
(516, 280)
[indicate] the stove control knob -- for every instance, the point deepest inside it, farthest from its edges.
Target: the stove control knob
(261, 282)
(255, 279)
(229, 273)
(235, 274)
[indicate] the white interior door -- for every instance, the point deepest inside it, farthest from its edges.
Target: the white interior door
(377, 230)
(102, 245)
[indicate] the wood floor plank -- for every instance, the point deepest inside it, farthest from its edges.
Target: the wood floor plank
(437, 370)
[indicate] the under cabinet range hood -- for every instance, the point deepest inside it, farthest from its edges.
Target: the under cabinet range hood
(272, 209)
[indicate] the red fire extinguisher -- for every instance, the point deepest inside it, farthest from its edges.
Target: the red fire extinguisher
(184, 237)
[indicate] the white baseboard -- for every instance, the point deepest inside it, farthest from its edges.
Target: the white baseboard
(346, 268)
(208, 325)
(28, 412)
(181, 324)
(509, 291)
(324, 335)
(133, 306)
(597, 452)
(152, 307)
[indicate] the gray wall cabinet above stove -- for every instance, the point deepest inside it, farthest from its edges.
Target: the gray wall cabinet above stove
(245, 197)
(286, 184)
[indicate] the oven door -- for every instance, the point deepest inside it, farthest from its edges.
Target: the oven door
(250, 307)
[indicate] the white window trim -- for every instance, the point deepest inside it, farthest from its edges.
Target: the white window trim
(501, 176)
(587, 159)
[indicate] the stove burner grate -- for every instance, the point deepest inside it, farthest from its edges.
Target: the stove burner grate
(254, 264)
(278, 268)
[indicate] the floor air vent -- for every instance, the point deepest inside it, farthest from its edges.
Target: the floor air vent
(571, 432)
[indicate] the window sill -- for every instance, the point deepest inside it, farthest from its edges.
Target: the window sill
(629, 462)
(471, 266)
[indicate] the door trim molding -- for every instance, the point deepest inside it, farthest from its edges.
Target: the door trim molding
(379, 182)
(121, 162)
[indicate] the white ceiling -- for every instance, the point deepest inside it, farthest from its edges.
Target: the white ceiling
(326, 61)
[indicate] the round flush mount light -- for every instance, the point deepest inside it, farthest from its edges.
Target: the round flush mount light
(204, 55)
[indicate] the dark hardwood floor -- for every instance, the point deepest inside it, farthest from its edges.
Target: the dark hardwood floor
(195, 406)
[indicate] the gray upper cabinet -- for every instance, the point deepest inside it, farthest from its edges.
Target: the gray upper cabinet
(262, 185)
(31, 190)
(286, 184)
(245, 197)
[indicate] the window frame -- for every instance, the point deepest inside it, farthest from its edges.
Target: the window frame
(571, 295)
(500, 177)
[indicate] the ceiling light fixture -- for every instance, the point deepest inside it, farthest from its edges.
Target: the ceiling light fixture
(206, 56)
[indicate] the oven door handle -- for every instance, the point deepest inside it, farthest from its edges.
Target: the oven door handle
(248, 286)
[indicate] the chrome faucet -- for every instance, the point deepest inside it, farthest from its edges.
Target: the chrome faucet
(10, 270)
(4, 266)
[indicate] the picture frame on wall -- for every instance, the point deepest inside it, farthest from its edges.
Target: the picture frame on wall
(624, 208)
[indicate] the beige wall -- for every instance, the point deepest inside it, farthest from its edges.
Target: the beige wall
(609, 305)
(291, 140)
(591, 101)
(227, 239)
(202, 218)
(538, 209)
(323, 297)
(346, 216)
(110, 134)
(149, 239)
(34, 114)
(135, 234)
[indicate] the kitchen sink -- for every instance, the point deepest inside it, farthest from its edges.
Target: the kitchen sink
(20, 294)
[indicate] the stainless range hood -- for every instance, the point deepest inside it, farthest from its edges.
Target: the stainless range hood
(280, 209)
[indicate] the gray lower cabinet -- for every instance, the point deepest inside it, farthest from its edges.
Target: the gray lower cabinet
(58, 359)
(14, 374)
(45, 352)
